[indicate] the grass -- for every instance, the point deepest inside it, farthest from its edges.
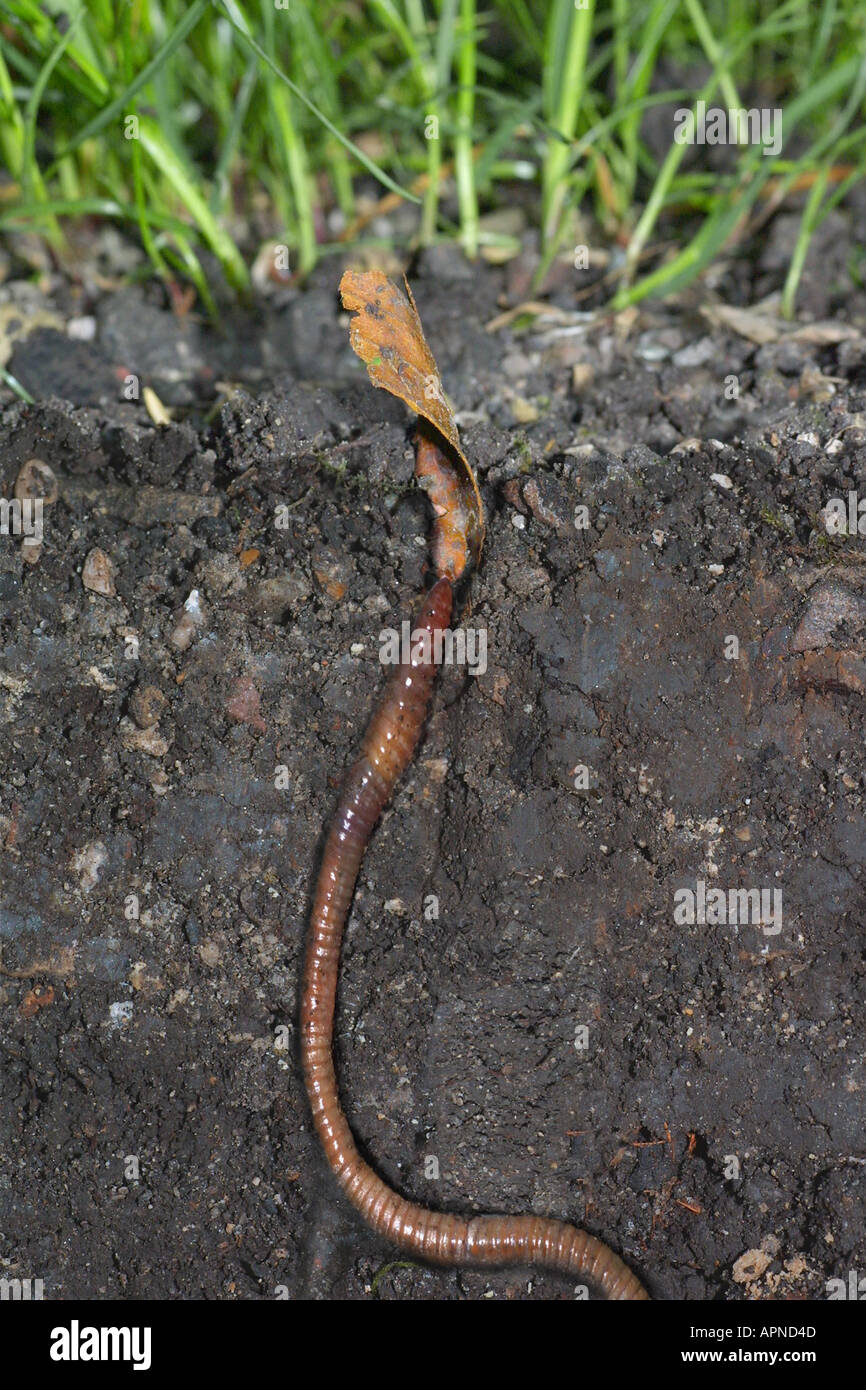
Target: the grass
(204, 126)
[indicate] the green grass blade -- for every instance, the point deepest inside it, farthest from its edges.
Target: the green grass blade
(122, 103)
(164, 157)
(369, 164)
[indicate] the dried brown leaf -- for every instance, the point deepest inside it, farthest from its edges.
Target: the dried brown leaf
(386, 334)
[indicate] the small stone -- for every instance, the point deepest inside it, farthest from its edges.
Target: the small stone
(691, 445)
(650, 349)
(189, 621)
(35, 488)
(582, 377)
(815, 385)
(524, 412)
(146, 704)
(331, 573)
(513, 496)
(88, 864)
(271, 267)
(145, 978)
(696, 354)
(36, 480)
(98, 574)
(834, 523)
(101, 681)
(149, 741)
(244, 704)
(721, 480)
(436, 768)
(548, 502)
(159, 782)
(82, 329)
(516, 366)
(750, 1266)
(273, 598)
(831, 605)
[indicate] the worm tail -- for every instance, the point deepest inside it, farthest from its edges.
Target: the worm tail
(439, 1237)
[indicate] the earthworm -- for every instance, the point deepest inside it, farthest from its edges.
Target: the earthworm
(437, 1237)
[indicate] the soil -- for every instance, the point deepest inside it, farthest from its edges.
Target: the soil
(525, 1021)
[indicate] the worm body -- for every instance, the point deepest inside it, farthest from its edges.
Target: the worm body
(439, 1237)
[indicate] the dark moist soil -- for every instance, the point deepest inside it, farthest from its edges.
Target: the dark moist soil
(708, 1123)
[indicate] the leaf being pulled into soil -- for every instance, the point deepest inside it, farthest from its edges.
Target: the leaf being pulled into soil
(386, 334)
